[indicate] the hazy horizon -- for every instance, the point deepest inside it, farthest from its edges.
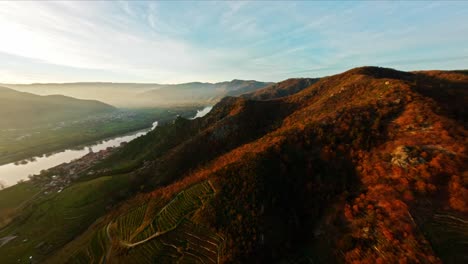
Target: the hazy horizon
(124, 82)
(169, 43)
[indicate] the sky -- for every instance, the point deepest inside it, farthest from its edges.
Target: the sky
(176, 42)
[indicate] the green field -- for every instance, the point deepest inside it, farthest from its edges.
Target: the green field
(14, 199)
(50, 221)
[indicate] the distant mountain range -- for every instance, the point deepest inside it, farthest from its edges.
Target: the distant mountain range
(26, 110)
(145, 95)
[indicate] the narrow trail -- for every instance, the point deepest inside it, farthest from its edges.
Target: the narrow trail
(5, 240)
(128, 245)
(155, 235)
(108, 254)
(464, 222)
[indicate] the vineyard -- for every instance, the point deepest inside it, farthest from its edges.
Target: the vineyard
(156, 232)
(447, 230)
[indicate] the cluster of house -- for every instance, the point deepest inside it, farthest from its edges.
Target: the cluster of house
(57, 178)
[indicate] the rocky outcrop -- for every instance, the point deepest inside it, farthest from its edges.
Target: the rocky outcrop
(404, 156)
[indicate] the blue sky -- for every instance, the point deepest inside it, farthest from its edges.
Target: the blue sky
(174, 42)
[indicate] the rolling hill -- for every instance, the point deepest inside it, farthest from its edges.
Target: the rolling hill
(137, 95)
(23, 110)
(366, 166)
(196, 92)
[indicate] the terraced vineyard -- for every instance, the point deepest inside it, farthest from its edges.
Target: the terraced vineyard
(188, 243)
(95, 252)
(129, 223)
(184, 203)
(163, 235)
(448, 231)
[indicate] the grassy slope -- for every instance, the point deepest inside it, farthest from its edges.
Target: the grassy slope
(13, 199)
(55, 219)
(15, 196)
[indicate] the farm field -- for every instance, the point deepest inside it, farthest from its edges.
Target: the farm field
(14, 198)
(52, 220)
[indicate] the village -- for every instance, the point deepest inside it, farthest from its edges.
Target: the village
(55, 179)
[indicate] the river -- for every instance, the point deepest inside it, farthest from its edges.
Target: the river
(11, 173)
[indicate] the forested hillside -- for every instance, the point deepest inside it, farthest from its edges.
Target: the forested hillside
(367, 166)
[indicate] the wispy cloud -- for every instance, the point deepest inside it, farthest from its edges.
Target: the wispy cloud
(47, 41)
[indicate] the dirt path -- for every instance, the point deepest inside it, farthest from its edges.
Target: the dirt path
(5, 240)
(127, 244)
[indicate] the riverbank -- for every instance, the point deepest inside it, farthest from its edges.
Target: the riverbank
(11, 173)
(18, 145)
